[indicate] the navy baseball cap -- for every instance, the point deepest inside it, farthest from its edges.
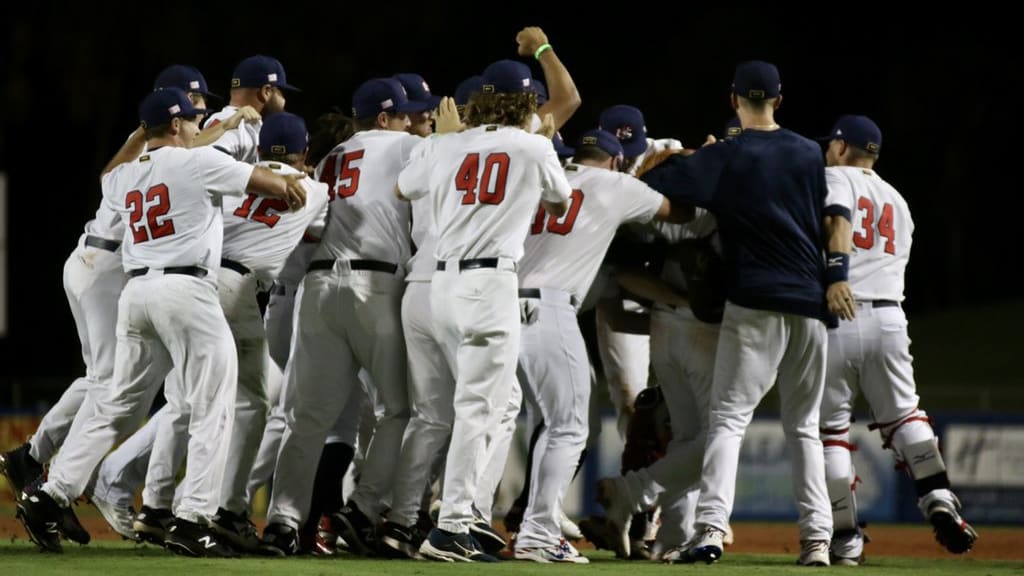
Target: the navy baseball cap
(756, 80)
(187, 78)
(257, 71)
(561, 149)
(467, 88)
(732, 129)
(418, 91)
(508, 77)
(160, 106)
(283, 133)
(541, 90)
(381, 95)
(859, 131)
(627, 124)
(602, 139)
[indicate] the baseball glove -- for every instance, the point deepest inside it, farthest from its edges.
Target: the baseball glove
(649, 431)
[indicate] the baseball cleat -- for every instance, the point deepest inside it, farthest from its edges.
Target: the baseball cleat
(813, 553)
(20, 469)
(235, 530)
(400, 542)
(150, 525)
(570, 529)
(72, 529)
(279, 540)
(191, 539)
(708, 547)
(951, 530)
(562, 553)
(355, 528)
(489, 539)
(42, 517)
(452, 547)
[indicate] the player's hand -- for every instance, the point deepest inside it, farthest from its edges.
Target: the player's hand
(244, 113)
(547, 126)
(447, 120)
(652, 160)
(709, 141)
(295, 192)
(529, 39)
(840, 300)
(529, 310)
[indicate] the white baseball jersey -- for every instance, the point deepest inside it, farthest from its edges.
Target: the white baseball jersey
(243, 143)
(261, 232)
(106, 224)
(882, 229)
(565, 253)
(367, 220)
(483, 197)
(169, 199)
(653, 147)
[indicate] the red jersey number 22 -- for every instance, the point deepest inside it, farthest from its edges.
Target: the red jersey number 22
(155, 204)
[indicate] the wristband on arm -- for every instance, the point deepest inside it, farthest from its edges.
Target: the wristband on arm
(540, 50)
(837, 268)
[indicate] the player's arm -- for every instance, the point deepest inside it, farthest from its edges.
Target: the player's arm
(129, 151)
(288, 188)
(677, 213)
(839, 239)
(645, 285)
(212, 133)
(563, 97)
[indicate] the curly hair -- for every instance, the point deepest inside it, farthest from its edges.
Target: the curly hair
(329, 130)
(504, 109)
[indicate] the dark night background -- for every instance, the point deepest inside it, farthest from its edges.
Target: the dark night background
(943, 93)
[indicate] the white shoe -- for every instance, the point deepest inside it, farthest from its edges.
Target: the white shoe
(612, 494)
(728, 539)
(813, 553)
(708, 546)
(569, 528)
(563, 553)
(120, 518)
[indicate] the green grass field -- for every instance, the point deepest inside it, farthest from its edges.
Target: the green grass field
(20, 558)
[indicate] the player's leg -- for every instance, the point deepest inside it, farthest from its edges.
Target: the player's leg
(625, 359)
(554, 360)
(322, 527)
(801, 379)
(888, 384)
(499, 442)
(843, 365)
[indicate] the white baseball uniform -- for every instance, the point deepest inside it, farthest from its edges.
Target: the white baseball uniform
(348, 317)
(561, 259)
(484, 185)
(871, 353)
(169, 317)
(243, 143)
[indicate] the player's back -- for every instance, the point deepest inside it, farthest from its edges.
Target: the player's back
(367, 220)
(165, 198)
(882, 231)
(261, 232)
(565, 253)
(485, 187)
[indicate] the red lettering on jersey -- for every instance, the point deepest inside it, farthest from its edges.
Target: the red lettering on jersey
(864, 238)
(568, 220)
(211, 124)
(156, 229)
(349, 173)
(329, 176)
(492, 190)
(260, 214)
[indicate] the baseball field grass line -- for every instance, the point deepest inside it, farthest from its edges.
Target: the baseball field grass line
(114, 559)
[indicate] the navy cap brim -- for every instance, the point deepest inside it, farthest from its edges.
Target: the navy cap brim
(413, 106)
(634, 148)
(210, 95)
(287, 87)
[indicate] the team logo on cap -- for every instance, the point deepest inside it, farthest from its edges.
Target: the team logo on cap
(734, 131)
(175, 109)
(272, 77)
(487, 89)
(385, 104)
(194, 84)
(425, 87)
(755, 95)
(624, 132)
(872, 147)
(236, 82)
(589, 140)
(278, 149)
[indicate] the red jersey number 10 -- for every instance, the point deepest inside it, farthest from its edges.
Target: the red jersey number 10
(567, 221)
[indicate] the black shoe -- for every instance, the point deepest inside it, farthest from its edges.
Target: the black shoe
(279, 540)
(72, 529)
(356, 529)
(489, 539)
(236, 531)
(151, 525)
(400, 542)
(20, 469)
(190, 539)
(451, 547)
(42, 518)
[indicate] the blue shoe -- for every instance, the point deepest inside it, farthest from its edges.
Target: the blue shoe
(452, 547)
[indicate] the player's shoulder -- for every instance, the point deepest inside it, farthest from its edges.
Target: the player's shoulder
(220, 116)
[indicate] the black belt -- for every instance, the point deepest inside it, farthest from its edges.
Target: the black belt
(885, 304)
(472, 264)
(535, 293)
(375, 265)
(234, 265)
(102, 243)
(187, 270)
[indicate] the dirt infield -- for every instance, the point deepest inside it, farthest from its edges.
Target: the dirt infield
(915, 541)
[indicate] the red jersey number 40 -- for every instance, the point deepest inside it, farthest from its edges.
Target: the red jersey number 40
(154, 205)
(484, 184)
(864, 238)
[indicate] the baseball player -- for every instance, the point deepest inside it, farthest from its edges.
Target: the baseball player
(561, 257)
(348, 317)
(870, 352)
(766, 188)
(93, 279)
(417, 90)
(169, 316)
(483, 186)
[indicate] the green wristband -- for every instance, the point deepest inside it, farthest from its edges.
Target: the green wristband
(541, 50)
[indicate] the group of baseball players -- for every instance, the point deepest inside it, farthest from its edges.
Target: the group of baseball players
(389, 291)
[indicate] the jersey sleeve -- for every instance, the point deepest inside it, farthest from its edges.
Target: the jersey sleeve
(638, 202)
(221, 174)
(414, 179)
(691, 179)
(839, 196)
(316, 203)
(230, 142)
(555, 186)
